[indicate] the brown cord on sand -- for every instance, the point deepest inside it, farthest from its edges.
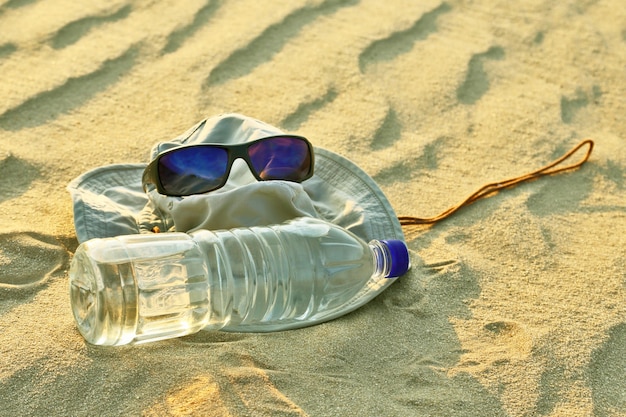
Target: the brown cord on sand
(487, 189)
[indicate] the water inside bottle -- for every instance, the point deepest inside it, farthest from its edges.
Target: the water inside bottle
(122, 291)
(172, 297)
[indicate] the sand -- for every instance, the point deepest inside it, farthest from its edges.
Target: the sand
(515, 306)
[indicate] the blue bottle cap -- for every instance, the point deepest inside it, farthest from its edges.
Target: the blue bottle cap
(400, 261)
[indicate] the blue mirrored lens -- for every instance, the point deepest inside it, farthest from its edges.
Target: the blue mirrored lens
(193, 170)
(281, 158)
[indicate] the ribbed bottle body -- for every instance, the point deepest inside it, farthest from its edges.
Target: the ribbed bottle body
(286, 276)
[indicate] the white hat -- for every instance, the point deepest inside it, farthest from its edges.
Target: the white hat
(110, 201)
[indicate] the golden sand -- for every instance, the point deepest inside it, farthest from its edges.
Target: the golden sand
(515, 306)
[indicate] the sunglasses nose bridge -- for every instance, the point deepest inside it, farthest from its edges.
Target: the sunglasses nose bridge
(241, 171)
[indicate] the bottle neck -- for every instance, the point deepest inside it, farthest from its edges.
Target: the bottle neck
(382, 258)
(391, 257)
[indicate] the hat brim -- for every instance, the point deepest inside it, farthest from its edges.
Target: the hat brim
(108, 200)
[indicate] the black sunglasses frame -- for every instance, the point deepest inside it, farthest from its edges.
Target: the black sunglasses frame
(234, 151)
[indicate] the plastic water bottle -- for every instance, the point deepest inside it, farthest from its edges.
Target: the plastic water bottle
(140, 288)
